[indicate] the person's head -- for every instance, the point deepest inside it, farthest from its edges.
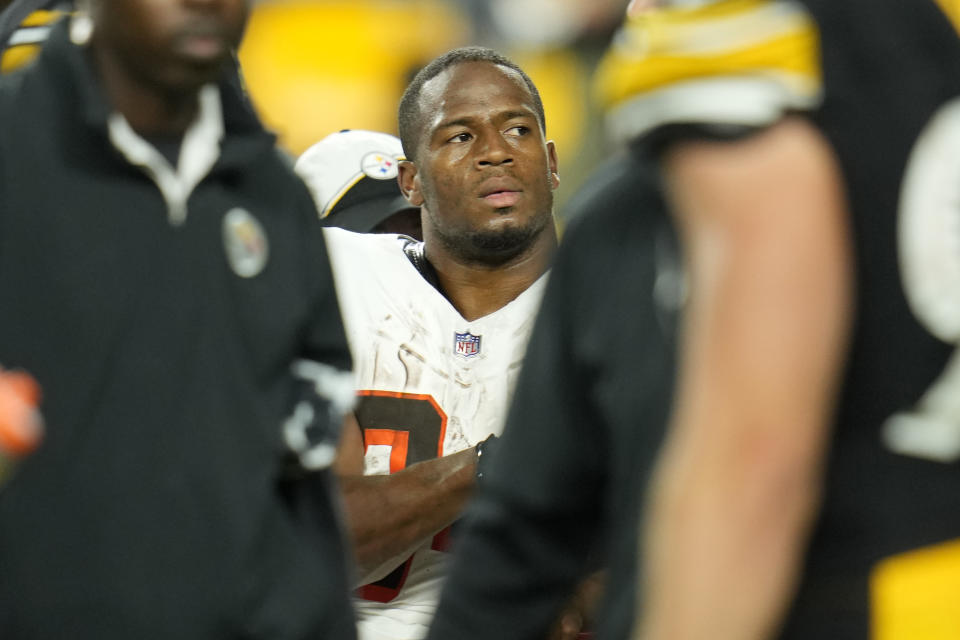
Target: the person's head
(478, 163)
(411, 111)
(352, 176)
(170, 45)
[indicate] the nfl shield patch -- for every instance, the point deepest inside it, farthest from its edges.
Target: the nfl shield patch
(466, 344)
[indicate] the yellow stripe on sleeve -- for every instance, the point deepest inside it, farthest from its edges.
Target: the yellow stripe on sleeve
(952, 9)
(16, 57)
(42, 18)
(729, 52)
(915, 595)
(24, 44)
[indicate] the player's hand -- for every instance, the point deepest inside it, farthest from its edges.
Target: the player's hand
(21, 426)
(575, 621)
(569, 625)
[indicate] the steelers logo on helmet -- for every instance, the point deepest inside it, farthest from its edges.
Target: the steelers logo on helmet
(380, 166)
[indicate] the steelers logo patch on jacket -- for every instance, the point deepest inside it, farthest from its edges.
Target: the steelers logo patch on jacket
(245, 243)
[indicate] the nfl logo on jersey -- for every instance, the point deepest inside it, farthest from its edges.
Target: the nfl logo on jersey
(466, 344)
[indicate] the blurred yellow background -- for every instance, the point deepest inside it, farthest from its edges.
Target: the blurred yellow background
(314, 67)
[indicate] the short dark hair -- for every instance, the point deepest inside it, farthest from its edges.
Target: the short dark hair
(410, 118)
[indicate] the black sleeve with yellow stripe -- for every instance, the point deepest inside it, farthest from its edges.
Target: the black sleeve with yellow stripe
(720, 66)
(24, 26)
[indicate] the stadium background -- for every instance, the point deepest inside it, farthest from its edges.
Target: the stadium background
(317, 66)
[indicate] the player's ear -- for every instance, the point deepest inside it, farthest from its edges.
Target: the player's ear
(552, 164)
(409, 181)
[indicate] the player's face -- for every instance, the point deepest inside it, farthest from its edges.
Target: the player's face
(170, 44)
(484, 173)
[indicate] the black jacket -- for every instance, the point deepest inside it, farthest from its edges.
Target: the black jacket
(158, 505)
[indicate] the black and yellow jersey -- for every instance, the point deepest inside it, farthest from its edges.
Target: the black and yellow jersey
(736, 62)
(881, 79)
(24, 26)
(715, 62)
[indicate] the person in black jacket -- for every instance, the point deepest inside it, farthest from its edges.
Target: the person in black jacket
(165, 281)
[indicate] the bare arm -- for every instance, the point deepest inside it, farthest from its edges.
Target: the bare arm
(390, 516)
(763, 226)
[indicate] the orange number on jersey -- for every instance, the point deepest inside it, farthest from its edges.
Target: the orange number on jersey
(413, 427)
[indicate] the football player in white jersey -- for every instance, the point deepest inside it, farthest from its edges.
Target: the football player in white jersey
(439, 328)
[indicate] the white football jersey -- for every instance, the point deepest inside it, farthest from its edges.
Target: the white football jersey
(430, 384)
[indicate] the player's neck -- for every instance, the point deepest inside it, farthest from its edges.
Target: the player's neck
(477, 290)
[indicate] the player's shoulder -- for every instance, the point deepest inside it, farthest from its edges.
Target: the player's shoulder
(25, 26)
(724, 67)
(365, 252)
(386, 242)
(740, 63)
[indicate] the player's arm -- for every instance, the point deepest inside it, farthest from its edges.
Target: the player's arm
(764, 230)
(390, 516)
